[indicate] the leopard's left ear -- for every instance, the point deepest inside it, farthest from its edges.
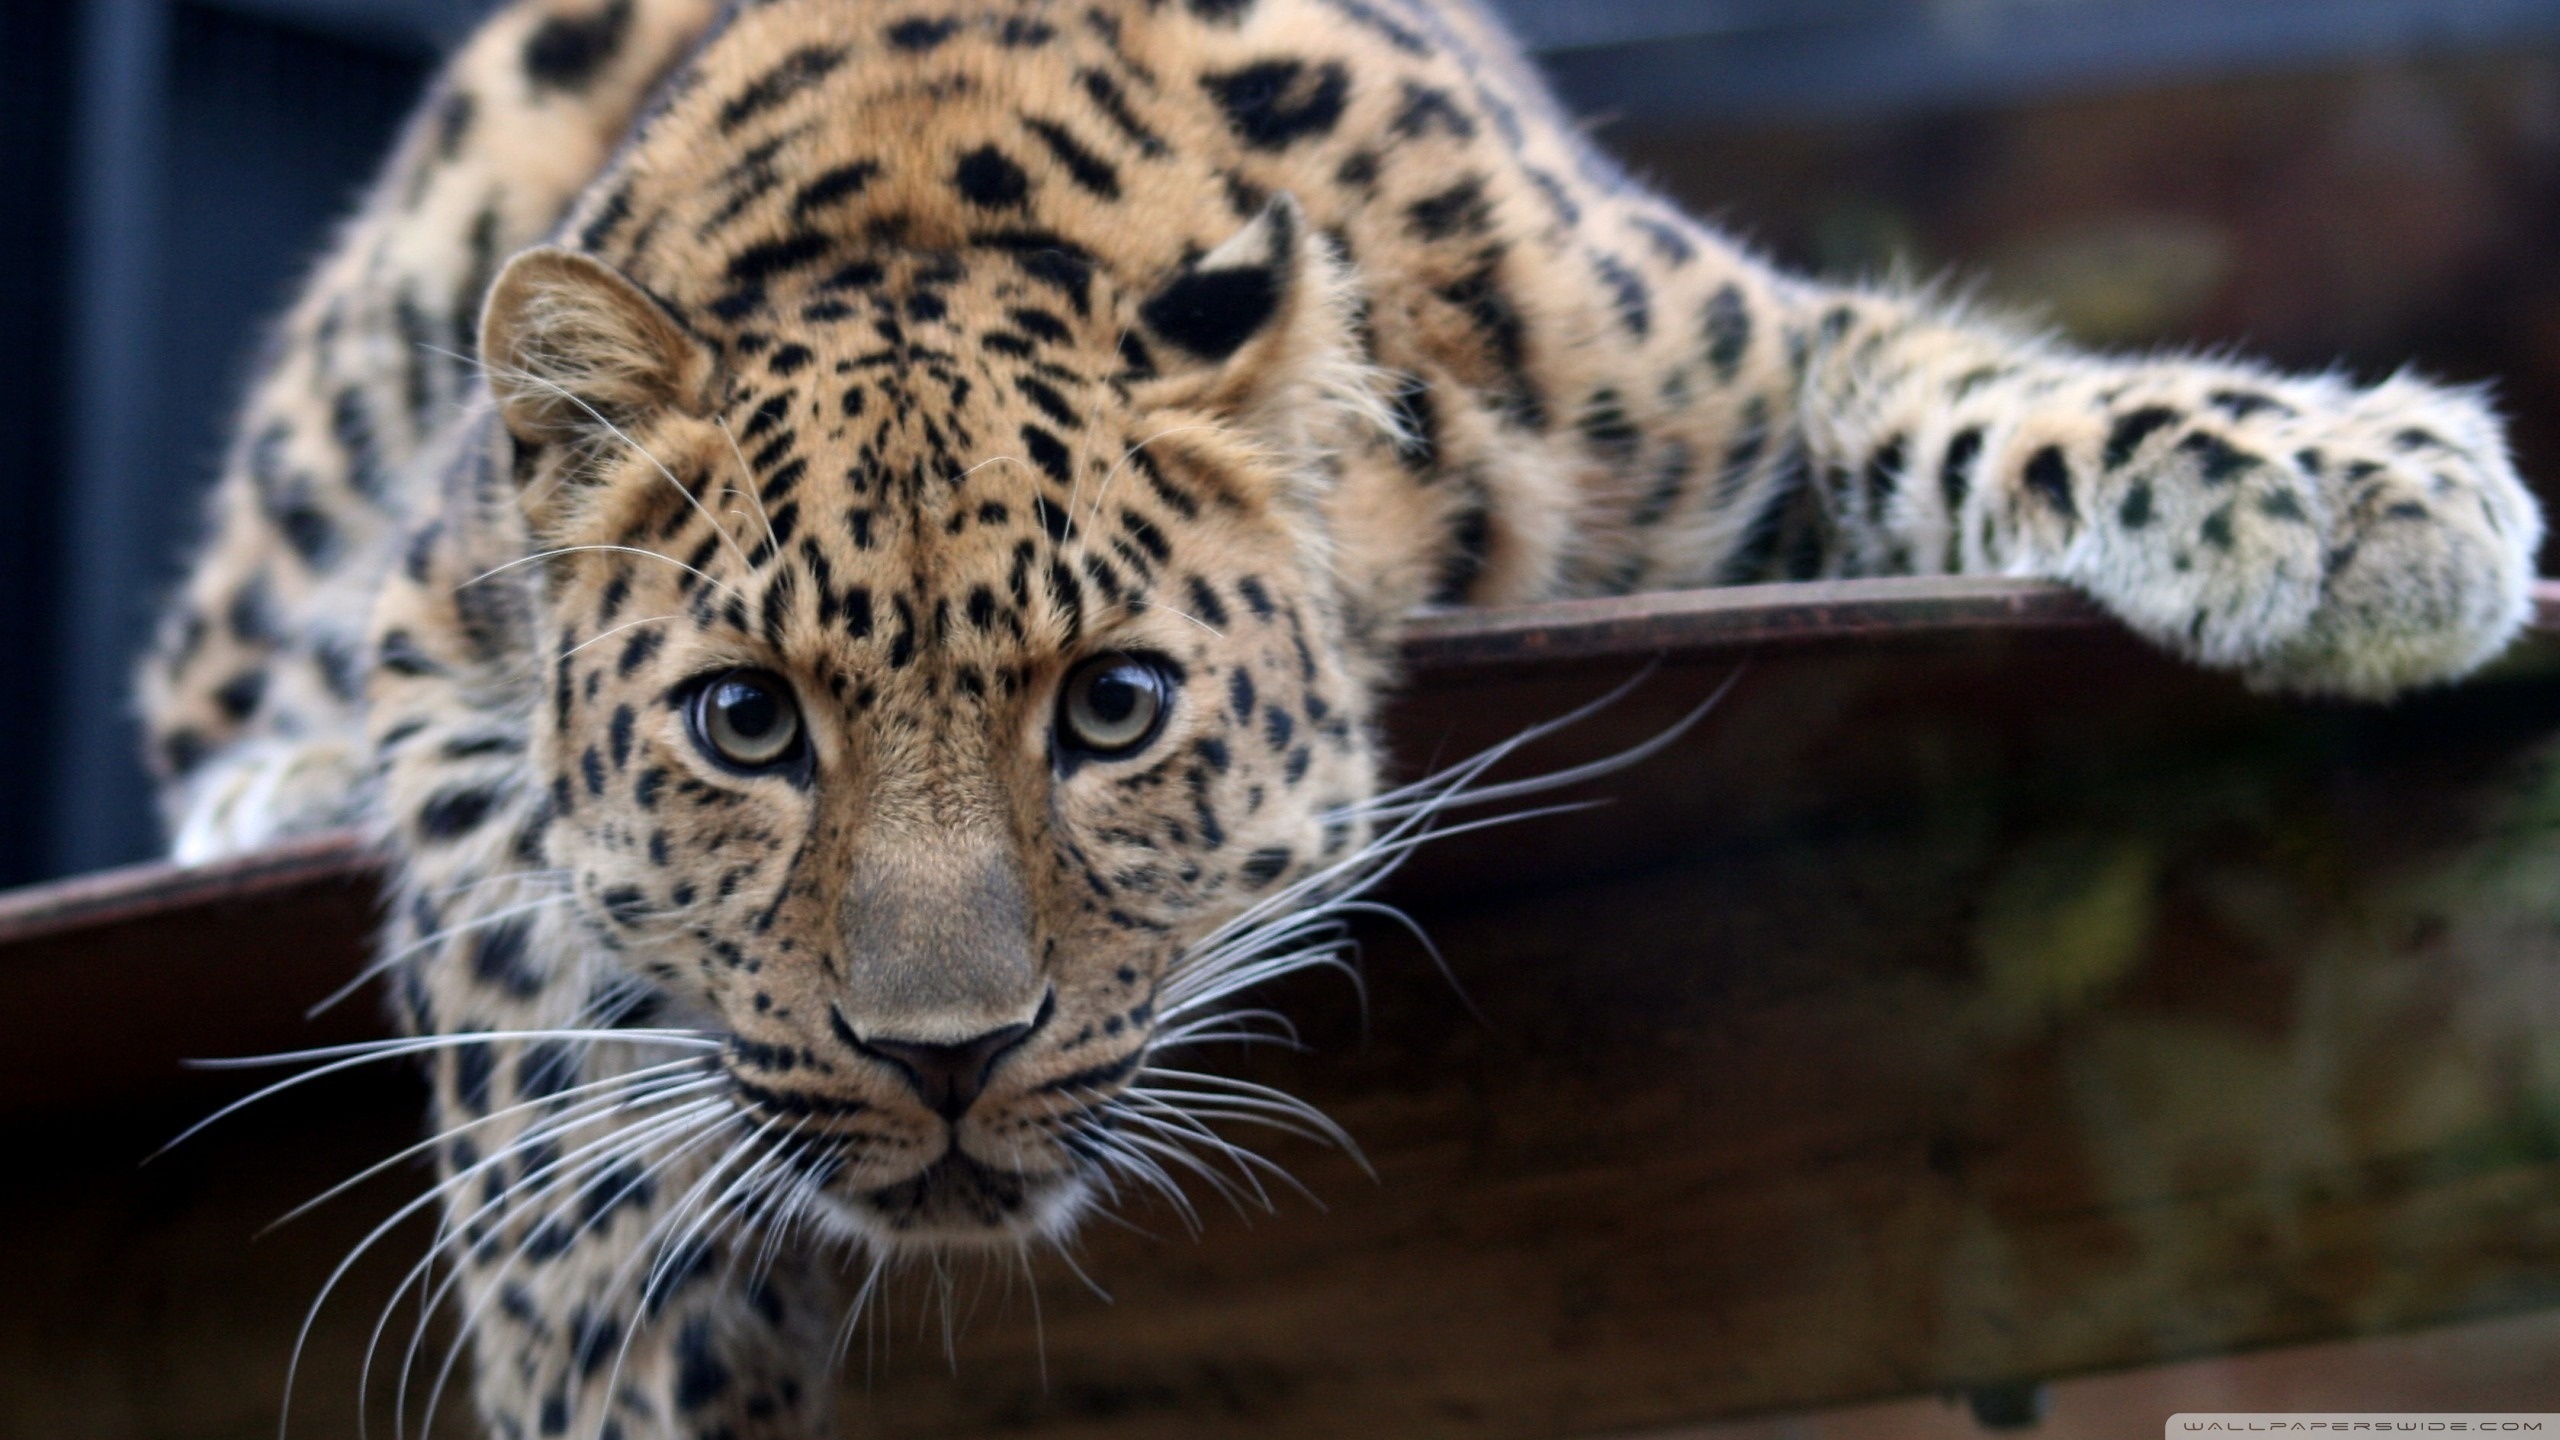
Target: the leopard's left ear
(1262, 330)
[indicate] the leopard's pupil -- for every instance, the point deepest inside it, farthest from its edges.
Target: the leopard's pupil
(751, 712)
(1114, 698)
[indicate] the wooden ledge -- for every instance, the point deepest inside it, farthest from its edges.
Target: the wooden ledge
(1977, 996)
(1679, 625)
(1457, 643)
(1703, 623)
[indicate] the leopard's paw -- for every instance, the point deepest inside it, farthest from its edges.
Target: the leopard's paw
(264, 791)
(2213, 552)
(2428, 576)
(2346, 543)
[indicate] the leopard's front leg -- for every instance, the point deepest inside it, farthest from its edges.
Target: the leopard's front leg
(2316, 536)
(607, 1253)
(251, 692)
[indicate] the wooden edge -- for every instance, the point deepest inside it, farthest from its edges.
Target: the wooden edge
(140, 892)
(1691, 622)
(1673, 622)
(1739, 617)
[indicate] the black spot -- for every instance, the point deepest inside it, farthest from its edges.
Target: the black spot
(1084, 167)
(1107, 97)
(593, 1340)
(565, 52)
(2049, 475)
(1671, 476)
(312, 535)
(921, 33)
(1667, 240)
(761, 262)
(700, 1377)
(1051, 455)
(1149, 538)
(1206, 607)
(1377, 22)
(2281, 505)
(626, 904)
(1757, 549)
(1955, 473)
(637, 650)
(1265, 865)
(351, 425)
(2216, 458)
(2135, 512)
(1057, 263)
(856, 275)
(1609, 430)
(452, 813)
(1426, 108)
(1470, 548)
(1883, 477)
(499, 958)
(2216, 530)
(1260, 109)
(453, 122)
(620, 731)
(842, 182)
(797, 71)
(238, 696)
(183, 750)
(2134, 427)
(1051, 403)
(471, 1072)
(1211, 313)
(1479, 293)
(545, 1068)
(1460, 209)
(985, 177)
(2241, 404)
(1634, 300)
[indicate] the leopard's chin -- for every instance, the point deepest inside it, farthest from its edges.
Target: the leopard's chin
(957, 1203)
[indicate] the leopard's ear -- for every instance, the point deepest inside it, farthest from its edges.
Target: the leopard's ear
(1260, 330)
(575, 352)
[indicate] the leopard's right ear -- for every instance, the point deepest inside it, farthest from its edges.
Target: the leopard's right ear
(575, 352)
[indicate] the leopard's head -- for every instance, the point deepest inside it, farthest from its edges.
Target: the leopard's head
(946, 683)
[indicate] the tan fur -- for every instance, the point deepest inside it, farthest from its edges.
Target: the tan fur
(916, 355)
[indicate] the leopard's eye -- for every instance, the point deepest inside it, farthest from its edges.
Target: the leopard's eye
(748, 719)
(1113, 705)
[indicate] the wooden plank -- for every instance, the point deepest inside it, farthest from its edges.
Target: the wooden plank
(1977, 996)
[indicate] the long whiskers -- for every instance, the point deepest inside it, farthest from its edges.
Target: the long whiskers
(1164, 1113)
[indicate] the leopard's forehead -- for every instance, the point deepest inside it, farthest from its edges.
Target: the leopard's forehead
(891, 372)
(918, 462)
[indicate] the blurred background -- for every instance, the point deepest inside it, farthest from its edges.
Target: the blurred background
(2361, 183)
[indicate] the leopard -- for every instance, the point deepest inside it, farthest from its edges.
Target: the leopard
(847, 555)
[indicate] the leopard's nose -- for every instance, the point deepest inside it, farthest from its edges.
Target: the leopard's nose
(949, 1077)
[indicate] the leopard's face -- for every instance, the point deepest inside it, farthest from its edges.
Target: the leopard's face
(941, 688)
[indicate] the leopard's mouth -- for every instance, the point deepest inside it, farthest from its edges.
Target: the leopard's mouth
(959, 1200)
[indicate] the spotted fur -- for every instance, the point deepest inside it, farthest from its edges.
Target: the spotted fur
(916, 352)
